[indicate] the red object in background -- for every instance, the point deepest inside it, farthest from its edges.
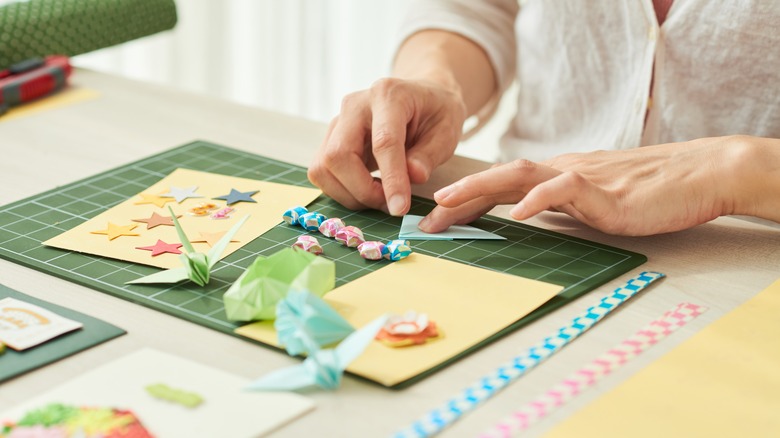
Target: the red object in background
(31, 79)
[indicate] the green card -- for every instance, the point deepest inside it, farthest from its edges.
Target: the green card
(94, 332)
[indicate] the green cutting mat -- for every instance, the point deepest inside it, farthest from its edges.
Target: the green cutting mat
(530, 252)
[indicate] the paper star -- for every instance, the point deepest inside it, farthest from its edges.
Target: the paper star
(161, 248)
(211, 238)
(153, 199)
(236, 196)
(156, 220)
(182, 193)
(114, 231)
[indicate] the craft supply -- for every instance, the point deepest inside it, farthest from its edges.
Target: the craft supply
(223, 213)
(292, 215)
(411, 328)
(311, 221)
(114, 231)
(161, 248)
(331, 226)
(723, 381)
(32, 79)
(182, 193)
(180, 396)
(235, 196)
(437, 419)
(197, 266)
(155, 220)
(23, 325)
(227, 410)
(202, 209)
(304, 322)
(397, 249)
(350, 236)
(268, 280)
(308, 243)
(372, 250)
(57, 420)
(323, 368)
(574, 264)
(147, 198)
(93, 332)
(588, 375)
(410, 231)
(470, 304)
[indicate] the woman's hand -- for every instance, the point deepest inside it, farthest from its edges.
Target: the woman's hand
(643, 191)
(403, 128)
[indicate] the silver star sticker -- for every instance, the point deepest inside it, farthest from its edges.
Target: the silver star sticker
(182, 193)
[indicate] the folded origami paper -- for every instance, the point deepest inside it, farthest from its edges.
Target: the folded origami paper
(268, 280)
(305, 323)
(197, 266)
(323, 368)
(410, 231)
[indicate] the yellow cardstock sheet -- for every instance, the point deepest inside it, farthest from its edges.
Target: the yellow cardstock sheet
(722, 382)
(62, 98)
(272, 200)
(468, 304)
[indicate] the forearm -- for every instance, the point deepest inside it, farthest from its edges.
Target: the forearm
(451, 60)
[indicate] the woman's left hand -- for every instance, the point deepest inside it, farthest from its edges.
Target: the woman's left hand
(643, 191)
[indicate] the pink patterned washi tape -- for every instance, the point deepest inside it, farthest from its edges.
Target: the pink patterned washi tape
(528, 414)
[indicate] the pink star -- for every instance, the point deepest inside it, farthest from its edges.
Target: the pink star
(161, 248)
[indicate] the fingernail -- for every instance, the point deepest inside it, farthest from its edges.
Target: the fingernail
(396, 205)
(443, 192)
(423, 223)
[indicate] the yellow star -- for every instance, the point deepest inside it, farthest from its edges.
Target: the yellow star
(211, 238)
(114, 231)
(153, 199)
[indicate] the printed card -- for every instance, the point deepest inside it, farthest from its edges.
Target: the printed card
(24, 325)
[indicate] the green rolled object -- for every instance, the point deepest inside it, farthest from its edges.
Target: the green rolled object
(38, 28)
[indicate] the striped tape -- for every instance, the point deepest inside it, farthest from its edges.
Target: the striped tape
(443, 416)
(586, 376)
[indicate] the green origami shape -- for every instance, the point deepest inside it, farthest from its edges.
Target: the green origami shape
(196, 266)
(268, 280)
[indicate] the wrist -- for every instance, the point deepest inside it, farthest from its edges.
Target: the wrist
(755, 170)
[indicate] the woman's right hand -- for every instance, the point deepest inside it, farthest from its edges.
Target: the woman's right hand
(403, 128)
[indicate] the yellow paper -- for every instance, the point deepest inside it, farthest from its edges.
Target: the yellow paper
(468, 305)
(272, 200)
(723, 382)
(65, 97)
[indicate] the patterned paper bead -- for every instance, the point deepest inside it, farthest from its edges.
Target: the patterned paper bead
(350, 236)
(311, 221)
(309, 244)
(331, 226)
(397, 250)
(372, 250)
(291, 216)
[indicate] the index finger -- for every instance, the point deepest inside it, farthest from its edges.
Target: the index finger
(518, 177)
(388, 143)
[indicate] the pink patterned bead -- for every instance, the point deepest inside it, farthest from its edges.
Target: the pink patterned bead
(350, 236)
(331, 226)
(308, 244)
(371, 250)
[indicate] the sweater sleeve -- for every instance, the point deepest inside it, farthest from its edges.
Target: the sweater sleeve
(488, 23)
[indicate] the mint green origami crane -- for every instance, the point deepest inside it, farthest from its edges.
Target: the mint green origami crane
(197, 266)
